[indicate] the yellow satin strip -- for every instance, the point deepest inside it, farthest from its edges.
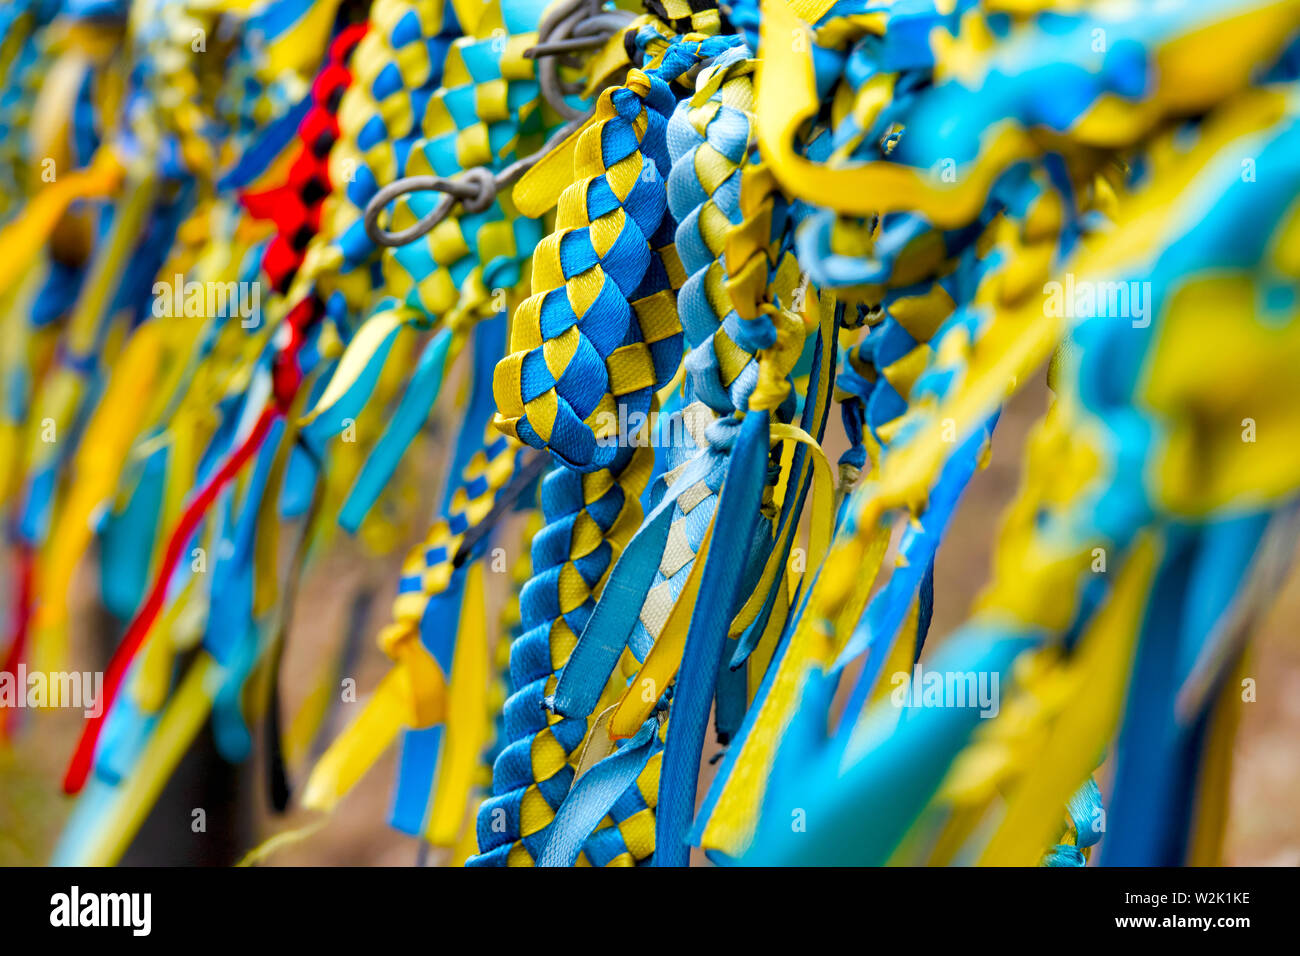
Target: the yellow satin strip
(810, 10)
(300, 49)
(1081, 732)
(1187, 83)
(786, 97)
(264, 850)
(95, 472)
(364, 741)
(814, 644)
(538, 190)
(761, 657)
(309, 718)
(153, 679)
(1210, 816)
(731, 825)
(823, 491)
(25, 237)
(467, 717)
(901, 657)
(823, 519)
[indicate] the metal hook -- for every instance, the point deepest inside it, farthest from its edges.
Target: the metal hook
(568, 28)
(587, 33)
(475, 189)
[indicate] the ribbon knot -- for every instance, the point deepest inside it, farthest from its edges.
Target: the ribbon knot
(427, 686)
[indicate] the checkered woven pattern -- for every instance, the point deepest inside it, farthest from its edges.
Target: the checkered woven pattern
(589, 519)
(601, 327)
(428, 567)
(708, 144)
(488, 112)
(400, 66)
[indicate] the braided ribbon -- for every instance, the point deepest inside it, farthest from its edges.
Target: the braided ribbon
(588, 520)
(601, 326)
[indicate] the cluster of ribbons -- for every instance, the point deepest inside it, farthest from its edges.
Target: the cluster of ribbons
(604, 269)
